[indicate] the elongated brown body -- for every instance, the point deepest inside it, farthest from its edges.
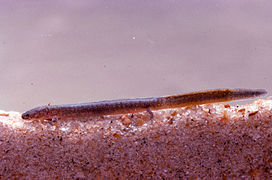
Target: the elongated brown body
(123, 106)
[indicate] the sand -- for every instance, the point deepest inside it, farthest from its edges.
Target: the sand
(208, 141)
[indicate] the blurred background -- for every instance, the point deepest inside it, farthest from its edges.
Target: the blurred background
(79, 51)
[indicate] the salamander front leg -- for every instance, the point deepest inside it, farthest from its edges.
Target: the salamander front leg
(54, 118)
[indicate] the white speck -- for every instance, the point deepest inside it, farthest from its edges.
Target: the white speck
(133, 37)
(64, 129)
(256, 137)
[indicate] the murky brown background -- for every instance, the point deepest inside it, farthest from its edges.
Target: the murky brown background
(78, 51)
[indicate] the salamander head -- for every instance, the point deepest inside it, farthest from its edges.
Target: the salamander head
(36, 113)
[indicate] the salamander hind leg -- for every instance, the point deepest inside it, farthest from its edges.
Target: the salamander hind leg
(150, 112)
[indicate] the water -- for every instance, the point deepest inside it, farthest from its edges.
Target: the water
(76, 51)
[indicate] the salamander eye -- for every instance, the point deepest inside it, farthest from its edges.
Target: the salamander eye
(25, 116)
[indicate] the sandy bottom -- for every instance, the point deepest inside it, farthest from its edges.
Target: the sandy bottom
(207, 141)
